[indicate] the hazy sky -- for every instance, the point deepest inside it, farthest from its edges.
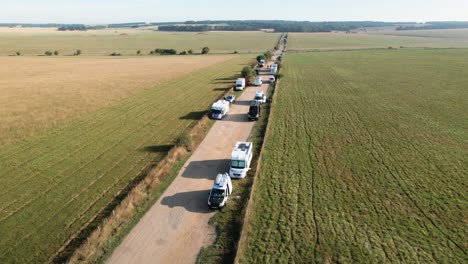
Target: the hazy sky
(114, 11)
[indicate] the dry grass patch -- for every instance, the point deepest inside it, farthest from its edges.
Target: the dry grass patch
(38, 93)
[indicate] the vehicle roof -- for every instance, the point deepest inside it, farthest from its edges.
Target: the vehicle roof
(258, 93)
(221, 181)
(220, 104)
(255, 103)
(240, 151)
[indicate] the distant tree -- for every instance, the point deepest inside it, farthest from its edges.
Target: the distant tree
(152, 52)
(205, 50)
(235, 52)
(183, 53)
(267, 55)
(77, 53)
(48, 53)
(56, 53)
(138, 52)
(115, 54)
(278, 76)
(18, 53)
(248, 73)
(190, 51)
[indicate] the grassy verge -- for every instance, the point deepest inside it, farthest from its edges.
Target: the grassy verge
(229, 222)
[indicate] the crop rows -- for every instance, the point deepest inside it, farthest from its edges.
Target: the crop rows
(55, 183)
(366, 161)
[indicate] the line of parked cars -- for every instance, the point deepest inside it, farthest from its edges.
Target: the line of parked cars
(241, 155)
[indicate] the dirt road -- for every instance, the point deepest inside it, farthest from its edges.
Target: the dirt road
(176, 227)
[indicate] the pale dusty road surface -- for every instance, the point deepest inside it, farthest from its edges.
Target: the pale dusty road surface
(176, 227)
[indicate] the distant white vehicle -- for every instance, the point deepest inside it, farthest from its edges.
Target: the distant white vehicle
(222, 188)
(261, 63)
(272, 79)
(274, 68)
(240, 84)
(230, 98)
(258, 81)
(260, 97)
(219, 109)
(241, 157)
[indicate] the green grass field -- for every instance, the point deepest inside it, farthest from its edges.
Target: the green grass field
(54, 183)
(127, 41)
(323, 41)
(366, 161)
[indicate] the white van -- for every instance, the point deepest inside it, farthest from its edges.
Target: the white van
(260, 97)
(258, 81)
(240, 84)
(222, 188)
(219, 109)
(274, 68)
(241, 157)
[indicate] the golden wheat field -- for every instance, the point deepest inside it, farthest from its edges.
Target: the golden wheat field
(40, 92)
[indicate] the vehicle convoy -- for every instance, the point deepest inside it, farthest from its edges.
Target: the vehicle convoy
(254, 111)
(240, 84)
(274, 68)
(230, 98)
(219, 109)
(260, 97)
(241, 157)
(258, 81)
(222, 188)
(261, 63)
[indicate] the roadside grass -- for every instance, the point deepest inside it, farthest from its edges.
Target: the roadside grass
(55, 183)
(366, 161)
(324, 41)
(229, 220)
(128, 41)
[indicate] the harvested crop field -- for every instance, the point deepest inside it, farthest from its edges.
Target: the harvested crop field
(129, 41)
(54, 183)
(366, 161)
(39, 93)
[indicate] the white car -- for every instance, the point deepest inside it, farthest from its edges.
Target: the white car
(258, 81)
(222, 188)
(260, 97)
(230, 98)
(272, 79)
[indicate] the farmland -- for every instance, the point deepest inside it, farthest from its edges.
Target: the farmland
(56, 181)
(37, 93)
(365, 161)
(326, 41)
(129, 41)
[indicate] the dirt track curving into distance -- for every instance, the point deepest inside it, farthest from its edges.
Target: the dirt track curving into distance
(176, 227)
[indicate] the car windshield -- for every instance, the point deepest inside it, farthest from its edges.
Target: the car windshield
(215, 193)
(237, 164)
(216, 111)
(230, 97)
(239, 85)
(258, 97)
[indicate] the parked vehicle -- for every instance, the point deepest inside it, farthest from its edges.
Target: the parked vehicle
(240, 84)
(230, 98)
(274, 68)
(258, 81)
(272, 79)
(219, 193)
(260, 97)
(261, 64)
(241, 157)
(219, 109)
(254, 111)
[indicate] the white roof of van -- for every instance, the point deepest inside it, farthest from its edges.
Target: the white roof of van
(221, 181)
(220, 104)
(240, 151)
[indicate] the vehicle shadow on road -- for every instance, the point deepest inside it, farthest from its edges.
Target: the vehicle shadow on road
(197, 115)
(245, 102)
(235, 118)
(195, 201)
(206, 169)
